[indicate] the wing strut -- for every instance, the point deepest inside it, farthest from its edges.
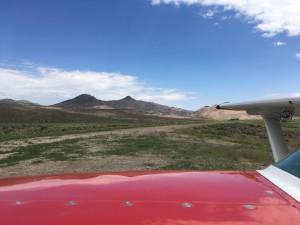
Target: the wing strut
(276, 138)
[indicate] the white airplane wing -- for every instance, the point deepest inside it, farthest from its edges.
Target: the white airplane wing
(271, 107)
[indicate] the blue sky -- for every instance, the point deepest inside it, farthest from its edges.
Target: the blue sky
(182, 53)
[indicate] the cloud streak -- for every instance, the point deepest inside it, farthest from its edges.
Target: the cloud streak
(279, 43)
(49, 85)
(271, 17)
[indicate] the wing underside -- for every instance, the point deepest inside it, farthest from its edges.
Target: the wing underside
(270, 108)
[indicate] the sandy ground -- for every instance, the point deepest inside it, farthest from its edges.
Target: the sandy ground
(143, 161)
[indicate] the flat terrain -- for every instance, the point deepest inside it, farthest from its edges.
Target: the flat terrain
(43, 148)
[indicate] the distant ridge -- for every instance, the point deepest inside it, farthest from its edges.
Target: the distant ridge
(17, 102)
(86, 101)
(147, 107)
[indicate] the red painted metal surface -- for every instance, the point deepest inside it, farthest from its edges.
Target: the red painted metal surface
(139, 198)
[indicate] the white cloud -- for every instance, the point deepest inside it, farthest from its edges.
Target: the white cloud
(297, 55)
(279, 43)
(48, 85)
(208, 14)
(279, 96)
(28, 63)
(225, 18)
(270, 16)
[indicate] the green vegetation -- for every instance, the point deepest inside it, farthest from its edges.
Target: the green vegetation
(209, 145)
(232, 145)
(55, 151)
(18, 122)
(154, 143)
(20, 130)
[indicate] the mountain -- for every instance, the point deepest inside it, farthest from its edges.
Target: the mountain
(86, 101)
(18, 102)
(147, 107)
(82, 109)
(83, 101)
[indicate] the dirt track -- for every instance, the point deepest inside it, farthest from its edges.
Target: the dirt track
(8, 145)
(143, 161)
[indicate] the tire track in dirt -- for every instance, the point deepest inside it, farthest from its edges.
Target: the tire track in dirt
(7, 146)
